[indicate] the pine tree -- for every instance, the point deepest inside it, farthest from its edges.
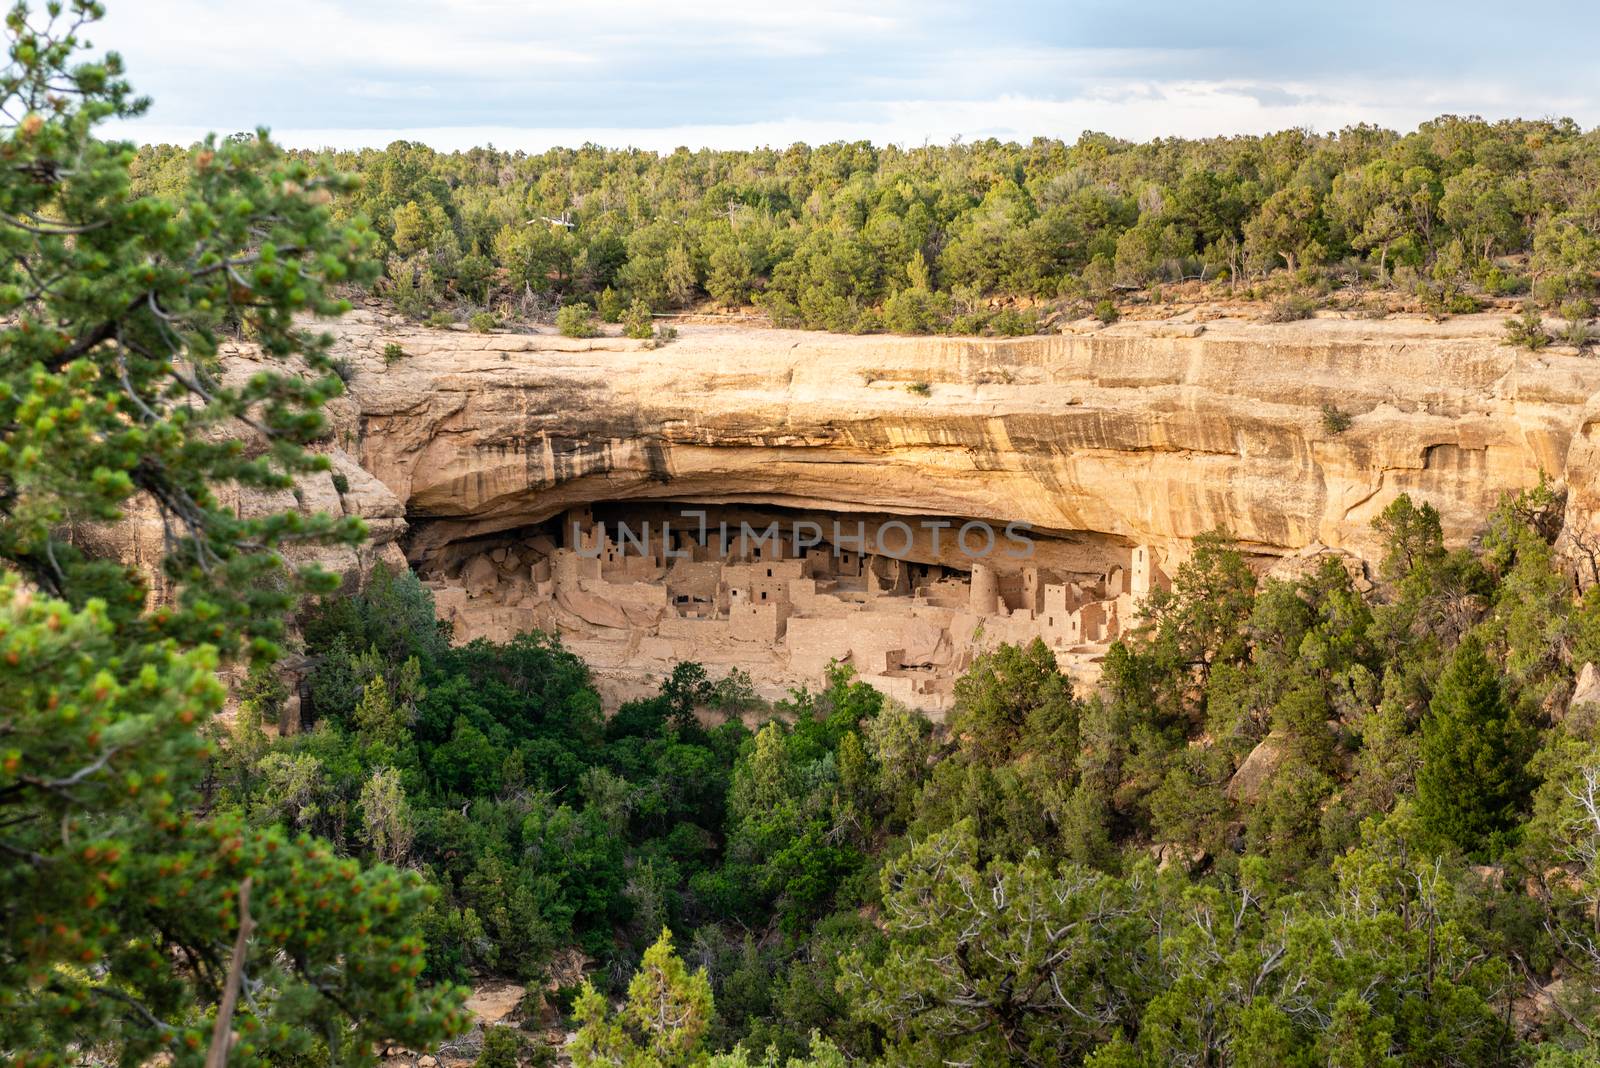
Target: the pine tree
(386, 816)
(377, 717)
(121, 905)
(662, 1023)
(1472, 780)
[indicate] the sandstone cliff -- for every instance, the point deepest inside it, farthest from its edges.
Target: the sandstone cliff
(346, 490)
(1147, 432)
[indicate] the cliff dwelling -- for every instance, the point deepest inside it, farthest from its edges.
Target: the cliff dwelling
(467, 458)
(635, 587)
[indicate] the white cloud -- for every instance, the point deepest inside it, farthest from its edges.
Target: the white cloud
(731, 73)
(160, 37)
(468, 37)
(393, 91)
(1133, 109)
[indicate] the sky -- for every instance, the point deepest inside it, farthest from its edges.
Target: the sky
(657, 74)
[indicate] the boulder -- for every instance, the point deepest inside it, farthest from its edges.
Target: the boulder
(1189, 858)
(1258, 768)
(493, 1002)
(592, 608)
(1586, 692)
(480, 577)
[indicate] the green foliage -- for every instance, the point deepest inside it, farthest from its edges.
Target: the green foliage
(576, 320)
(1013, 700)
(1106, 311)
(1527, 331)
(638, 322)
(120, 894)
(926, 239)
(502, 1048)
(984, 892)
(919, 389)
(1020, 963)
(393, 353)
(1291, 309)
(1471, 784)
(662, 1022)
(1043, 880)
(1009, 322)
(987, 963)
(609, 305)
(1334, 419)
(1578, 332)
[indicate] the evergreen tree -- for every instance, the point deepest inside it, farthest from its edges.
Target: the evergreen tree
(1472, 781)
(123, 906)
(661, 1024)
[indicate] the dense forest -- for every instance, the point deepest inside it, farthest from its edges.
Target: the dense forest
(983, 236)
(1409, 856)
(1306, 820)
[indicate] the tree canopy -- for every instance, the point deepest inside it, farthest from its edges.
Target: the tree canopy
(980, 236)
(120, 894)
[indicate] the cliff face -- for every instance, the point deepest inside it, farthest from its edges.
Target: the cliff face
(1148, 432)
(1117, 447)
(346, 490)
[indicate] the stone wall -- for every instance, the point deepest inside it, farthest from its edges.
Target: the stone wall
(634, 602)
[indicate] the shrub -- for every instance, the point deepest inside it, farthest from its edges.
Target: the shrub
(609, 305)
(921, 389)
(1578, 308)
(971, 322)
(575, 320)
(1106, 311)
(1577, 332)
(440, 319)
(1334, 419)
(1290, 309)
(1577, 312)
(484, 322)
(1526, 331)
(1449, 301)
(343, 368)
(915, 311)
(502, 1048)
(637, 323)
(1009, 322)
(393, 353)
(341, 484)
(1500, 283)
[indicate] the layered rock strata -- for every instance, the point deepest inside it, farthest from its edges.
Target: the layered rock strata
(1133, 438)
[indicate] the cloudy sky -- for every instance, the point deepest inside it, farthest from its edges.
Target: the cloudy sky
(662, 73)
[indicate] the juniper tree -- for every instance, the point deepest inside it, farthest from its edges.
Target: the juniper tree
(660, 1025)
(119, 898)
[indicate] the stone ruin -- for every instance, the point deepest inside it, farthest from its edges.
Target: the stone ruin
(783, 597)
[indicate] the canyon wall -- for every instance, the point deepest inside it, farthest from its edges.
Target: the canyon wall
(1148, 432)
(470, 454)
